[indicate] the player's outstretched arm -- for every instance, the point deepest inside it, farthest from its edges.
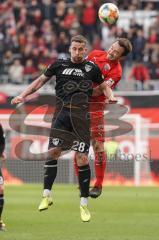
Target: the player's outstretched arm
(107, 91)
(33, 87)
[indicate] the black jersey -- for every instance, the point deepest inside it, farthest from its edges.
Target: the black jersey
(2, 140)
(73, 78)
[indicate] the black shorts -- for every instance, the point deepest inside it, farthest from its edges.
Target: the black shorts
(70, 130)
(1, 178)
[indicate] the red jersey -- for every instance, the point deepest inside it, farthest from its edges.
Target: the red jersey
(111, 70)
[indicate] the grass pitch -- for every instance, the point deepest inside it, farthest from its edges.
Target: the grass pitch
(121, 213)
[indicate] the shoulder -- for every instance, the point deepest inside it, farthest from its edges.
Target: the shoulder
(96, 53)
(63, 60)
(91, 65)
(60, 61)
(89, 62)
(56, 64)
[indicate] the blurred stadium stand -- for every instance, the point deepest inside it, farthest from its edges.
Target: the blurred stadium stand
(36, 33)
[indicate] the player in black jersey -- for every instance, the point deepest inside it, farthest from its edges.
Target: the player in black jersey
(70, 125)
(2, 158)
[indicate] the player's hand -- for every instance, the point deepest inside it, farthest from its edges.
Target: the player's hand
(17, 100)
(111, 100)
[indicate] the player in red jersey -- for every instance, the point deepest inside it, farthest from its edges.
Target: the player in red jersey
(108, 62)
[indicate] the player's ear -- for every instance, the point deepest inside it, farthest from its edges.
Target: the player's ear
(69, 49)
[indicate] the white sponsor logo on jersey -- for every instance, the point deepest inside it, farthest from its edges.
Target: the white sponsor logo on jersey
(73, 71)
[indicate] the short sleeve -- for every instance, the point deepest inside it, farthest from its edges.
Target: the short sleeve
(91, 55)
(51, 69)
(97, 75)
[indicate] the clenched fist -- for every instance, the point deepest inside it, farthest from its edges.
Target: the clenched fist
(112, 100)
(17, 100)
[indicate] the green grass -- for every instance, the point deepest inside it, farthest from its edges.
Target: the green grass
(121, 213)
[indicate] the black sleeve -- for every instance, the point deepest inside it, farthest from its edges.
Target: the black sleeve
(2, 140)
(51, 69)
(97, 75)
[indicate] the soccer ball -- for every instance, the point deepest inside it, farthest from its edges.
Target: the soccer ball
(108, 13)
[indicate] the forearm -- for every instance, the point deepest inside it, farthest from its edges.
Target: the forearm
(107, 91)
(34, 86)
(103, 89)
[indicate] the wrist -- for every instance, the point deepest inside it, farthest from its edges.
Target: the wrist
(22, 96)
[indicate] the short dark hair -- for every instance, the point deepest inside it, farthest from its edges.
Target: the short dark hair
(79, 38)
(126, 44)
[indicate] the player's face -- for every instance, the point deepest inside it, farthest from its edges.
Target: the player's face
(115, 52)
(77, 51)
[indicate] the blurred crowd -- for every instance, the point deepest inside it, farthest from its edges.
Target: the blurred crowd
(35, 33)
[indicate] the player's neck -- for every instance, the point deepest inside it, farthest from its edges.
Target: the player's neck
(77, 62)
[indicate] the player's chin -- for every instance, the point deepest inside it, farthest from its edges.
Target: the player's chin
(78, 59)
